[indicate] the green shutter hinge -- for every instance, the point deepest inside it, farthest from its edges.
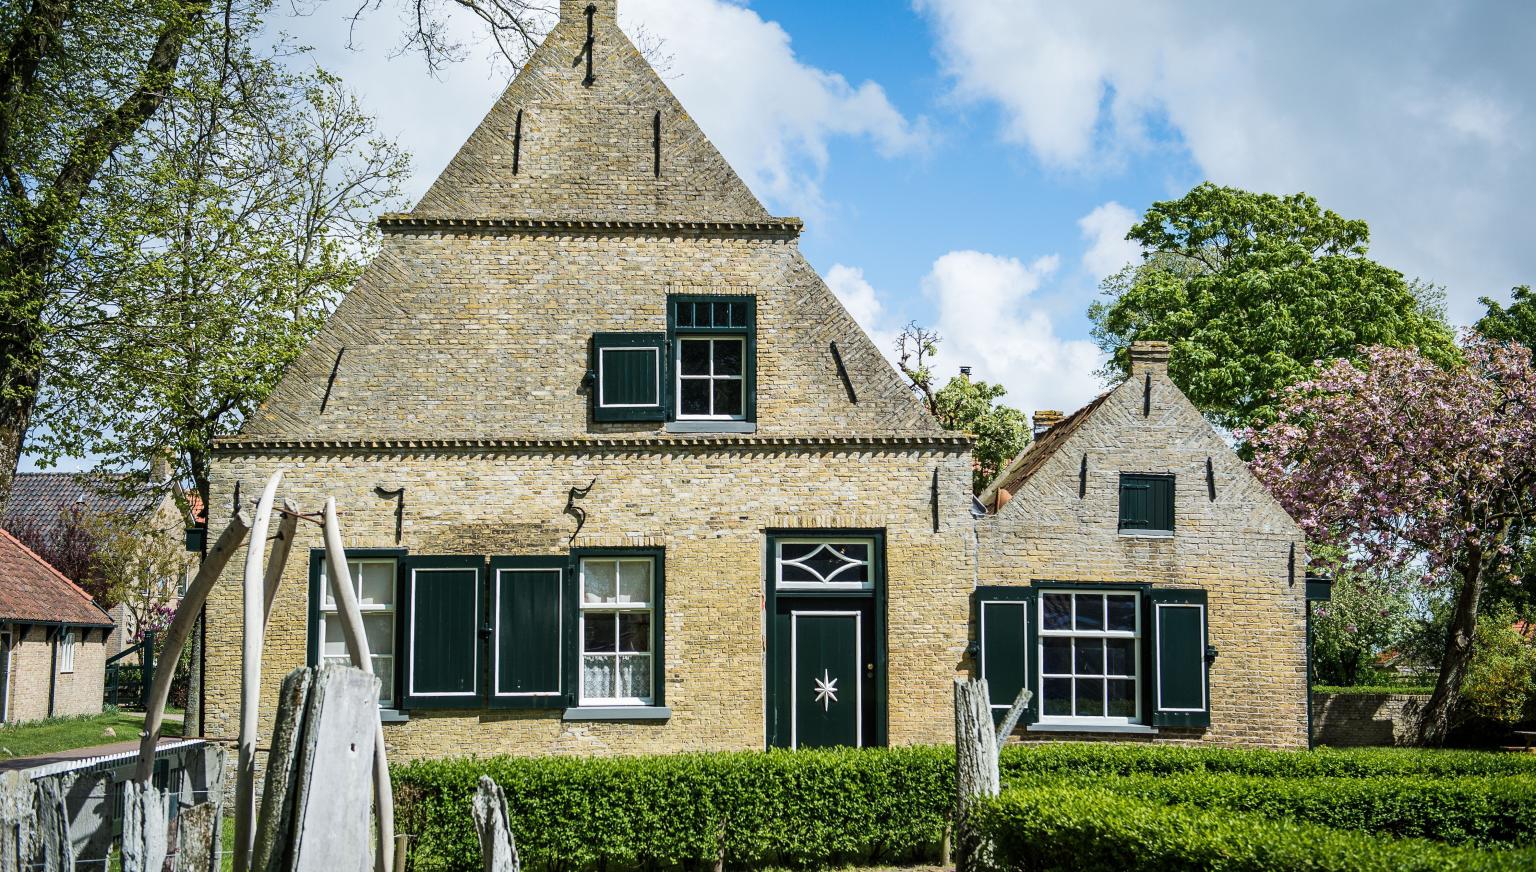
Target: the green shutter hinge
(1210, 653)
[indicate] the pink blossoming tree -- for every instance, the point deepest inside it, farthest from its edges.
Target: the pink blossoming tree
(1405, 464)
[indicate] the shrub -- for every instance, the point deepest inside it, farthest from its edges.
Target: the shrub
(1085, 757)
(1375, 688)
(1093, 829)
(1495, 812)
(795, 809)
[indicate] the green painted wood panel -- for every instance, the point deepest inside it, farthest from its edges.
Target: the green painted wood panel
(629, 377)
(1146, 502)
(443, 614)
(826, 679)
(526, 642)
(1180, 676)
(1004, 651)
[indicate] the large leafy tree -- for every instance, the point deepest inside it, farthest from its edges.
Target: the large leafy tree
(1402, 463)
(1251, 290)
(1514, 323)
(964, 405)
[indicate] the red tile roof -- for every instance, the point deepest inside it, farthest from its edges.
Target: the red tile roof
(32, 591)
(1038, 452)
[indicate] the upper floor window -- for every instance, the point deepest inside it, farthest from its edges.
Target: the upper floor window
(1146, 503)
(67, 651)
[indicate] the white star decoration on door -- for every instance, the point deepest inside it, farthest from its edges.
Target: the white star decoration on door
(826, 690)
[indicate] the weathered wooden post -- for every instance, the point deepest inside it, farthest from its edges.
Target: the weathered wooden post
(357, 650)
(977, 775)
(498, 851)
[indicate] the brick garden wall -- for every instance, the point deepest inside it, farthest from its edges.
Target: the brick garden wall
(1346, 720)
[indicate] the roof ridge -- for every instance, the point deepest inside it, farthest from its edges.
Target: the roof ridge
(38, 558)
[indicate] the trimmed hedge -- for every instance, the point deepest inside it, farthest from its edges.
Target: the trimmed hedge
(1492, 812)
(1095, 830)
(1409, 689)
(802, 808)
(1087, 757)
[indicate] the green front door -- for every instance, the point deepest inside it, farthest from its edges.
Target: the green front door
(826, 685)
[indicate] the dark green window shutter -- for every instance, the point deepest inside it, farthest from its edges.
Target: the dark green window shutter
(1005, 621)
(443, 609)
(527, 631)
(630, 380)
(1146, 502)
(1180, 675)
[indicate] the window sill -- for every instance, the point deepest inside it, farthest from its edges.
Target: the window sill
(1132, 729)
(711, 427)
(393, 716)
(618, 713)
(1147, 534)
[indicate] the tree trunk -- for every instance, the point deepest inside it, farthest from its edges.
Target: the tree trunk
(18, 394)
(1435, 723)
(976, 773)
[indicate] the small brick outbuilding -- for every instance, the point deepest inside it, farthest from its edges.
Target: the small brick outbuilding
(53, 639)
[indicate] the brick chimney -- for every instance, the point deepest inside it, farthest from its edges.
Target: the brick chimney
(1149, 356)
(1044, 420)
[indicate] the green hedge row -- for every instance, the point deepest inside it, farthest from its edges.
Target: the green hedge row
(1084, 757)
(1411, 689)
(1094, 830)
(805, 808)
(1492, 812)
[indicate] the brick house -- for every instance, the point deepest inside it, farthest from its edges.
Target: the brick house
(617, 472)
(53, 639)
(1139, 579)
(617, 399)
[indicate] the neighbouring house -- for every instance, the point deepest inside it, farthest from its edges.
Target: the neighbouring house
(53, 639)
(1139, 580)
(46, 503)
(618, 474)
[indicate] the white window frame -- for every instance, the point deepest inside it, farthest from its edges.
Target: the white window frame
(778, 563)
(711, 378)
(602, 363)
(1041, 675)
(66, 650)
(328, 607)
(584, 608)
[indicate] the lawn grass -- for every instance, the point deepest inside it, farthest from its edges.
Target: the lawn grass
(62, 734)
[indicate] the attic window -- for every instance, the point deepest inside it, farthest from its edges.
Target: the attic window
(1146, 504)
(713, 342)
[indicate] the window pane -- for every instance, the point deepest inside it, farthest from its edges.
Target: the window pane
(634, 631)
(598, 581)
(695, 396)
(635, 676)
(1090, 611)
(797, 550)
(635, 581)
(600, 631)
(1089, 656)
(384, 668)
(1122, 613)
(796, 572)
(1058, 611)
(694, 356)
(380, 630)
(685, 314)
(377, 584)
(1058, 696)
(728, 357)
(1120, 656)
(597, 677)
(1058, 655)
(728, 396)
(1090, 697)
(335, 642)
(1122, 698)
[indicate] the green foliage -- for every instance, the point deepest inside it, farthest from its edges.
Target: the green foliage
(1517, 323)
(1489, 812)
(1082, 757)
(1001, 431)
(803, 808)
(1092, 829)
(1370, 612)
(1250, 290)
(1363, 689)
(1500, 684)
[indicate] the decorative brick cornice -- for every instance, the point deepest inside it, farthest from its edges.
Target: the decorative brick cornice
(255, 445)
(776, 228)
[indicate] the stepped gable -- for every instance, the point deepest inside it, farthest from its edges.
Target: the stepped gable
(620, 148)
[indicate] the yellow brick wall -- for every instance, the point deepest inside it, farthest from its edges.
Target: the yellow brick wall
(709, 507)
(75, 693)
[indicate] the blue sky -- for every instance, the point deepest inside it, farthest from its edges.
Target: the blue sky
(973, 165)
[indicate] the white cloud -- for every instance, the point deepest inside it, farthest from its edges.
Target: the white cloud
(770, 114)
(863, 302)
(1108, 249)
(990, 321)
(1414, 118)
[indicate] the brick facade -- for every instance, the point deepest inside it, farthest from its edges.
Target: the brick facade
(1349, 720)
(457, 369)
(1237, 547)
(32, 660)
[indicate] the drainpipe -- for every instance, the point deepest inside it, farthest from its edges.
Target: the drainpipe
(53, 671)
